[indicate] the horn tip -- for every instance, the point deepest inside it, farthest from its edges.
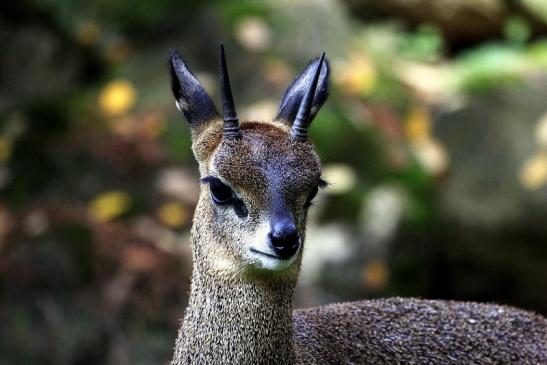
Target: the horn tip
(322, 59)
(231, 122)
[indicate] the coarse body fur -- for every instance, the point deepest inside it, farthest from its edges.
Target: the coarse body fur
(412, 331)
(241, 300)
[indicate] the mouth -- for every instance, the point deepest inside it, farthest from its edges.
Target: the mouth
(265, 254)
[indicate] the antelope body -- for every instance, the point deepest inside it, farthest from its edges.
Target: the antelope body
(258, 179)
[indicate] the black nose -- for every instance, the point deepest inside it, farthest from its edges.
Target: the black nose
(284, 239)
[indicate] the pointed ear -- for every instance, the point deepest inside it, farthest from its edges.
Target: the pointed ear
(290, 102)
(191, 99)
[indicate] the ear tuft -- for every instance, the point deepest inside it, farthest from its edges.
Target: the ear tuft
(192, 100)
(290, 102)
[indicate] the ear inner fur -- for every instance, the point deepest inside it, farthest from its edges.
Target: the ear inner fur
(192, 100)
(292, 98)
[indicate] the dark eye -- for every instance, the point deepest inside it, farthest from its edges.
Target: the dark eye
(220, 192)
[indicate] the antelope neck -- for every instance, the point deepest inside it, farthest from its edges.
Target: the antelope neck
(232, 320)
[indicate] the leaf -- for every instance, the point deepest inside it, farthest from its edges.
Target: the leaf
(5, 149)
(117, 97)
(418, 124)
(109, 205)
(173, 215)
(356, 76)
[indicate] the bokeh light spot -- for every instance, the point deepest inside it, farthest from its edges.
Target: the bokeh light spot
(109, 205)
(117, 97)
(342, 178)
(375, 274)
(5, 149)
(173, 215)
(253, 33)
(533, 174)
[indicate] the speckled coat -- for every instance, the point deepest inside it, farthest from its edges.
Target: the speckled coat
(412, 331)
(241, 314)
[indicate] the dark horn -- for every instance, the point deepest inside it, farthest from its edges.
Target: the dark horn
(231, 121)
(299, 130)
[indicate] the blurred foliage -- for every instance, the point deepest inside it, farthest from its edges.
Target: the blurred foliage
(98, 182)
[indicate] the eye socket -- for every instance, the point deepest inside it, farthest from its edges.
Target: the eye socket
(313, 193)
(220, 192)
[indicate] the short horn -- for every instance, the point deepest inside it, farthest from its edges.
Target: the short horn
(299, 130)
(231, 121)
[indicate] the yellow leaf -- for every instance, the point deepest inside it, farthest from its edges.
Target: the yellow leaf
(117, 97)
(357, 76)
(173, 214)
(109, 205)
(533, 174)
(418, 124)
(5, 149)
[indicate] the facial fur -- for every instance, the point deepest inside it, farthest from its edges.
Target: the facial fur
(267, 173)
(270, 174)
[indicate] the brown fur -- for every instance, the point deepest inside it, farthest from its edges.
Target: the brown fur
(412, 331)
(242, 315)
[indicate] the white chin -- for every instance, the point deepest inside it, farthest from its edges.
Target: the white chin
(265, 262)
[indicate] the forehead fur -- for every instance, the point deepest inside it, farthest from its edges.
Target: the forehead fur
(265, 153)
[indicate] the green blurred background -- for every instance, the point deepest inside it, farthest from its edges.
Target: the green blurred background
(434, 140)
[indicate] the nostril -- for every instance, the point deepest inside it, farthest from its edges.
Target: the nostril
(284, 241)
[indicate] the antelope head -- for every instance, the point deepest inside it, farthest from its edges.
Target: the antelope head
(258, 177)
